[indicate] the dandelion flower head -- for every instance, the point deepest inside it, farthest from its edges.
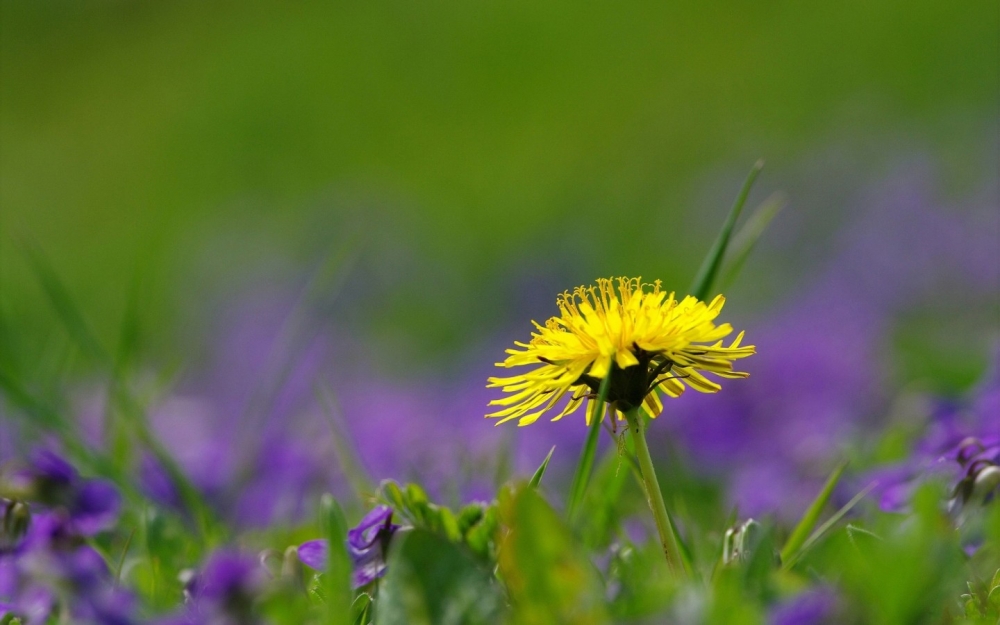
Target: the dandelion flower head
(647, 340)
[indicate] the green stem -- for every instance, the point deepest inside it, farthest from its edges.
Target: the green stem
(654, 496)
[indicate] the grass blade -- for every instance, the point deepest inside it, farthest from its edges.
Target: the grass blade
(586, 463)
(63, 305)
(704, 280)
(350, 464)
(540, 471)
(809, 519)
(825, 527)
(746, 239)
(131, 411)
(337, 578)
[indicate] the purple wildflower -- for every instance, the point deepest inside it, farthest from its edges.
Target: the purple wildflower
(367, 544)
(224, 590)
(91, 505)
(813, 607)
(53, 566)
(960, 445)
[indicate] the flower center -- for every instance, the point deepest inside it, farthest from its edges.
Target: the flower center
(629, 386)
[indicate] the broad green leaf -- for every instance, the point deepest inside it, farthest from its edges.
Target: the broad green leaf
(537, 477)
(432, 581)
(805, 526)
(548, 575)
(707, 273)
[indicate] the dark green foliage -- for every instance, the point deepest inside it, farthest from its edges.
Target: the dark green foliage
(433, 581)
(546, 572)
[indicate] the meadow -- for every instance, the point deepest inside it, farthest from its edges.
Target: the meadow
(499, 313)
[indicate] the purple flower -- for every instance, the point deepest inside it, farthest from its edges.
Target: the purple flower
(367, 544)
(224, 590)
(91, 505)
(813, 607)
(53, 567)
(960, 445)
(315, 553)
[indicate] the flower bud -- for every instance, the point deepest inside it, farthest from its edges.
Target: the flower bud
(16, 519)
(986, 481)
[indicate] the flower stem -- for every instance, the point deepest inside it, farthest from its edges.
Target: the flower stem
(654, 496)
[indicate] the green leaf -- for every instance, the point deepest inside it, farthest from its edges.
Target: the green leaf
(808, 522)
(393, 495)
(481, 537)
(361, 610)
(537, 477)
(430, 580)
(469, 516)
(703, 281)
(548, 575)
(581, 476)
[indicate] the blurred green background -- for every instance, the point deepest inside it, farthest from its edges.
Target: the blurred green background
(179, 146)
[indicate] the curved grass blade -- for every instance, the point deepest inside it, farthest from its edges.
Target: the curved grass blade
(746, 239)
(351, 465)
(133, 413)
(63, 305)
(821, 531)
(540, 471)
(583, 468)
(707, 273)
(805, 526)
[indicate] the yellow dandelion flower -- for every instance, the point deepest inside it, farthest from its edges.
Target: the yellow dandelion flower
(645, 337)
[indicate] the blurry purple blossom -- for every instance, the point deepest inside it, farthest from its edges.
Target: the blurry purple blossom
(960, 445)
(53, 566)
(224, 590)
(90, 505)
(812, 607)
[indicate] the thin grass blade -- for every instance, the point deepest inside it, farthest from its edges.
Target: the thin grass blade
(805, 526)
(822, 530)
(746, 239)
(540, 471)
(337, 578)
(350, 464)
(62, 303)
(583, 468)
(707, 273)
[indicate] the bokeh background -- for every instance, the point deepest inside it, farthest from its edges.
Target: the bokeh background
(291, 219)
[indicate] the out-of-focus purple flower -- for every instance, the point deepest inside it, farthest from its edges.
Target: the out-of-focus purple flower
(315, 553)
(156, 483)
(91, 505)
(54, 569)
(960, 445)
(45, 563)
(224, 590)
(812, 607)
(367, 544)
